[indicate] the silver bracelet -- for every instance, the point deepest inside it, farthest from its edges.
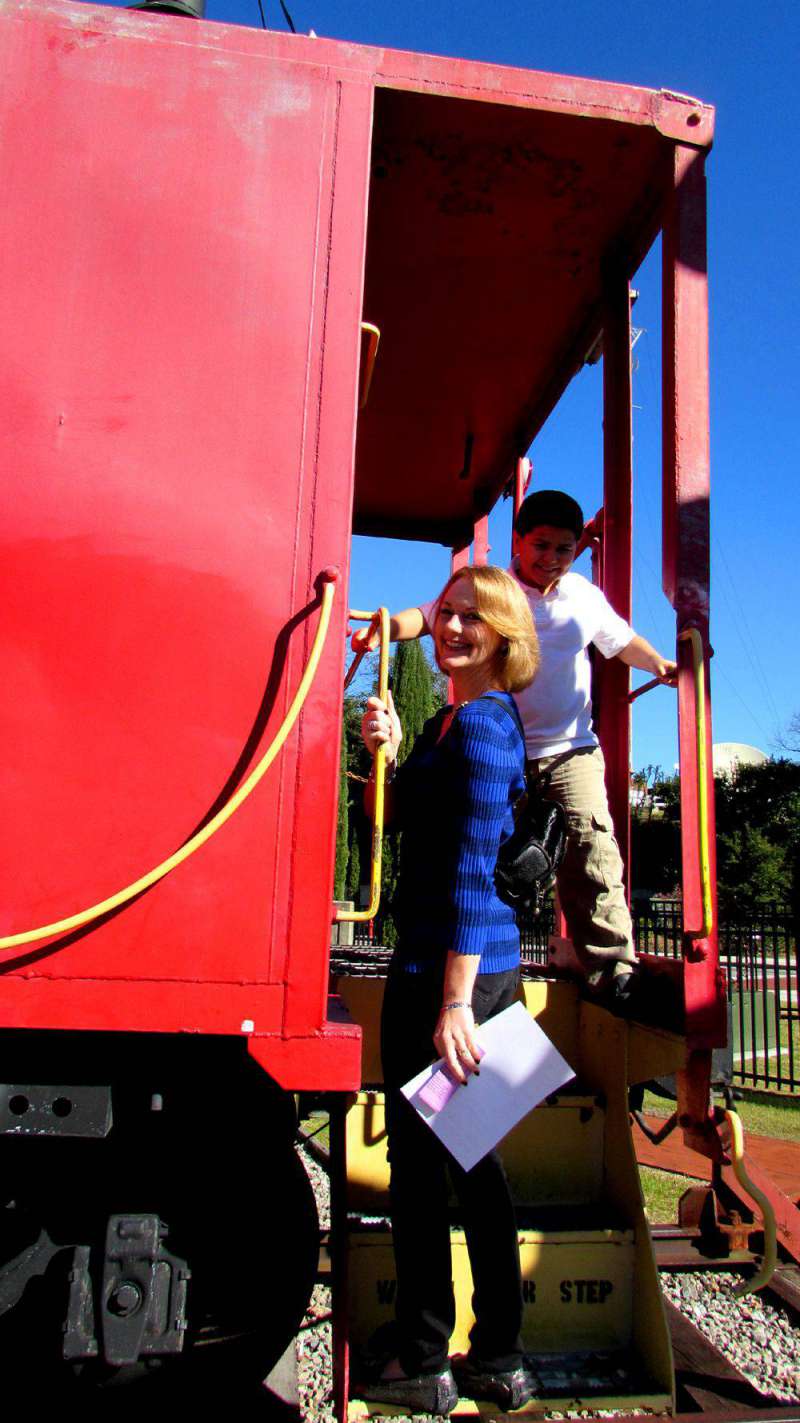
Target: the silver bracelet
(457, 1003)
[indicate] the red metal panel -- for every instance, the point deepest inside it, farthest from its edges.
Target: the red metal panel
(329, 1060)
(326, 537)
(178, 370)
(675, 116)
(613, 677)
(686, 550)
(39, 1001)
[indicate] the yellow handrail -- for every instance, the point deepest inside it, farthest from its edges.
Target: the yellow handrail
(362, 916)
(373, 336)
(692, 635)
(114, 901)
(763, 1276)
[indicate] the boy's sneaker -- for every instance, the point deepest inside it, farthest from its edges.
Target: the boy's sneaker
(510, 1388)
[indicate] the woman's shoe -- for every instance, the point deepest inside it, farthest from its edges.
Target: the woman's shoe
(511, 1388)
(427, 1393)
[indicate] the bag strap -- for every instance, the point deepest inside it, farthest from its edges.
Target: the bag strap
(541, 779)
(500, 697)
(536, 780)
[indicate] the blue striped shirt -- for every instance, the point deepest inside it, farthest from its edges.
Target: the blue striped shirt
(454, 801)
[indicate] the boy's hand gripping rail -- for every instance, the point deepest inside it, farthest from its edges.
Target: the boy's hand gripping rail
(379, 619)
(692, 635)
(770, 1258)
(115, 901)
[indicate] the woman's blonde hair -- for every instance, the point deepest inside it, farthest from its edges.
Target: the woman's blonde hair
(503, 606)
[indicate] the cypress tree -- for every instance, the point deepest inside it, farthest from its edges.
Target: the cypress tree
(416, 698)
(353, 765)
(353, 881)
(342, 825)
(418, 690)
(412, 684)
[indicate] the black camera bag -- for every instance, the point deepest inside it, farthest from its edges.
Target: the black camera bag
(529, 859)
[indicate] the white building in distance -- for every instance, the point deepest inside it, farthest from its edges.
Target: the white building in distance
(727, 755)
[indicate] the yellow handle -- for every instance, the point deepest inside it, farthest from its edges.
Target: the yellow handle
(85, 916)
(770, 1260)
(362, 916)
(373, 341)
(692, 635)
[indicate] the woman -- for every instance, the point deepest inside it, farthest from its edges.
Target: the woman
(456, 964)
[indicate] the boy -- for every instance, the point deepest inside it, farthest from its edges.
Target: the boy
(570, 613)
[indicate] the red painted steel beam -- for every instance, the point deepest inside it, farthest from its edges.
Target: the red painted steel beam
(481, 546)
(459, 558)
(612, 677)
(522, 479)
(686, 554)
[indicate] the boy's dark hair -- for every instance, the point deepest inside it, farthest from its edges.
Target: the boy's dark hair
(549, 506)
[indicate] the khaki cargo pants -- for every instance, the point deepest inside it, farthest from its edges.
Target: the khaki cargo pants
(590, 887)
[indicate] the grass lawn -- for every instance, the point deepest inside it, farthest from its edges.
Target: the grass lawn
(765, 1045)
(662, 1191)
(317, 1126)
(778, 1118)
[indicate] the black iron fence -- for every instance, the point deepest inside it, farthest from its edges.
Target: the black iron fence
(759, 956)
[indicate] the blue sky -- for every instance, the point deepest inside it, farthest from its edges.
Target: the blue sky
(741, 57)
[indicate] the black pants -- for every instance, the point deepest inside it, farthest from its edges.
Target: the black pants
(419, 1195)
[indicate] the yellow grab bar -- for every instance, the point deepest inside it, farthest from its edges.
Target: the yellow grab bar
(763, 1276)
(114, 901)
(373, 336)
(692, 635)
(362, 916)
(359, 617)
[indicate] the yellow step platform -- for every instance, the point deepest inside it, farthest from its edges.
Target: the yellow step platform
(594, 1324)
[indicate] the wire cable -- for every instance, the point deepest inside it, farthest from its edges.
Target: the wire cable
(742, 628)
(287, 17)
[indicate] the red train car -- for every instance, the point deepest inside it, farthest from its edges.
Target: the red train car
(196, 221)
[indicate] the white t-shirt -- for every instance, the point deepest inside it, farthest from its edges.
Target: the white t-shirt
(556, 709)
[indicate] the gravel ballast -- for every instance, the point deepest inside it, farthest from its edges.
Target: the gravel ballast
(756, 1336)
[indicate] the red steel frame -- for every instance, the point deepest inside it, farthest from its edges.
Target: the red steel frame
(612, 676)
(686, 580)
(322, 93)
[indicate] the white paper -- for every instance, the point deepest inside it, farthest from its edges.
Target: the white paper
(520, 1069)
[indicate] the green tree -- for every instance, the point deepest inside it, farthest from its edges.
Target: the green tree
(353, 881)
(655, 833)
(354, 767)
(758, 836)
(418, 690)
(416, 698)
(413, 692)
(751, 871)
(342, 820)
